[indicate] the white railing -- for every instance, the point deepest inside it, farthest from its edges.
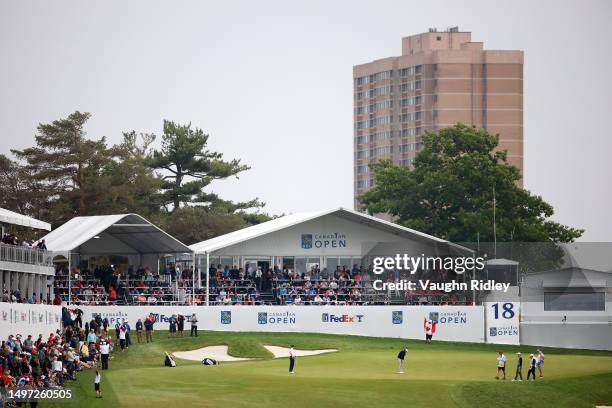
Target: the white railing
(24, 254)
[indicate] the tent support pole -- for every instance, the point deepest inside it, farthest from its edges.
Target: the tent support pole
(207, 279)
(193, 272)
(199, 269)
(69, 278)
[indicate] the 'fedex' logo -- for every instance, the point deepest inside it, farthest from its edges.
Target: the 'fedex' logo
(331, 318)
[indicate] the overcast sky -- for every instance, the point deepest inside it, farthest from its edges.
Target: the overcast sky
(271, 81)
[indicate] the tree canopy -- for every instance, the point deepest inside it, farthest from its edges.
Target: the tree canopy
(186, 167)
(450, 192)
(67, 174)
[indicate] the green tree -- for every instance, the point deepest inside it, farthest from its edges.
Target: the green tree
(20, 192)
(195, 224)
(66, 165)
(450, 191)
(187, 167)
(133, 186)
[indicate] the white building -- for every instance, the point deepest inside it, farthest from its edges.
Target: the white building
(327, 239)
(23, 268)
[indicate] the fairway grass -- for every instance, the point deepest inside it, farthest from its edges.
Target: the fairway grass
(361, 374)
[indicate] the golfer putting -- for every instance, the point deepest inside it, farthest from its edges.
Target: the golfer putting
(400, 360)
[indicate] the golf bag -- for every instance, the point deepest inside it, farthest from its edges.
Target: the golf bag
(210, 361)
(169, 361)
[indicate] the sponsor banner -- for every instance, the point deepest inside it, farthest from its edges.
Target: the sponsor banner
(325, 240)
(453, 323)
(25, 319)
(502, 320)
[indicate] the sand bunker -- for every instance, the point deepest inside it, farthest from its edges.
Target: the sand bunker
(280, 352)
(218, 353)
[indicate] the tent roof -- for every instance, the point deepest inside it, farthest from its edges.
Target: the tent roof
(128, 230)
(13, 218)
(286, 221)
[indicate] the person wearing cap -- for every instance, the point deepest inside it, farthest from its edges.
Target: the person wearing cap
(122, 334)
(400, 360)
(501, 365)
(104, 352)
(148, 324)
(519, 367)
(532, 366)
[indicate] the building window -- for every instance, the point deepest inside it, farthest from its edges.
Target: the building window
(364, 168)
(559, 301)
(413, 100)
(409, 147)
(381, 151)
(409, 86)
(406, 162)
(363, 154)
(381, 135)
(365, 183)
(375, 107)
(410, 116)
(383, 90)
(382, 75)
(382, 120)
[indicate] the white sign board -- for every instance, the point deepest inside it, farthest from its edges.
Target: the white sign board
(503, 322)
(25, 319)
(454, 323)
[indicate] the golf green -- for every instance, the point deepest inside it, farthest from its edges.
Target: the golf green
(363, 373)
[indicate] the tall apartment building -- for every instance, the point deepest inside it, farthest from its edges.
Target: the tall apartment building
(441, 78)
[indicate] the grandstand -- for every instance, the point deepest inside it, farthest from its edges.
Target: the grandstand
(26, 270)
(125, 260)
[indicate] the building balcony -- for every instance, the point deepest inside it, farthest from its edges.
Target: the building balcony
(25, 259)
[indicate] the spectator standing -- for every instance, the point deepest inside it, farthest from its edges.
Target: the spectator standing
(91, 337)
(519, 368)
(501, 365)
(128, 329)
(532, 367)
(540, 362)
(104, 352)
(122, 332)
(180, 320)
(139, 328)
(172, 322)
(194, 325)
(148, 324)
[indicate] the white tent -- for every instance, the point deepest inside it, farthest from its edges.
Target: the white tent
(392, 232)
(286, 221)
(119, 234)
(13, 218)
